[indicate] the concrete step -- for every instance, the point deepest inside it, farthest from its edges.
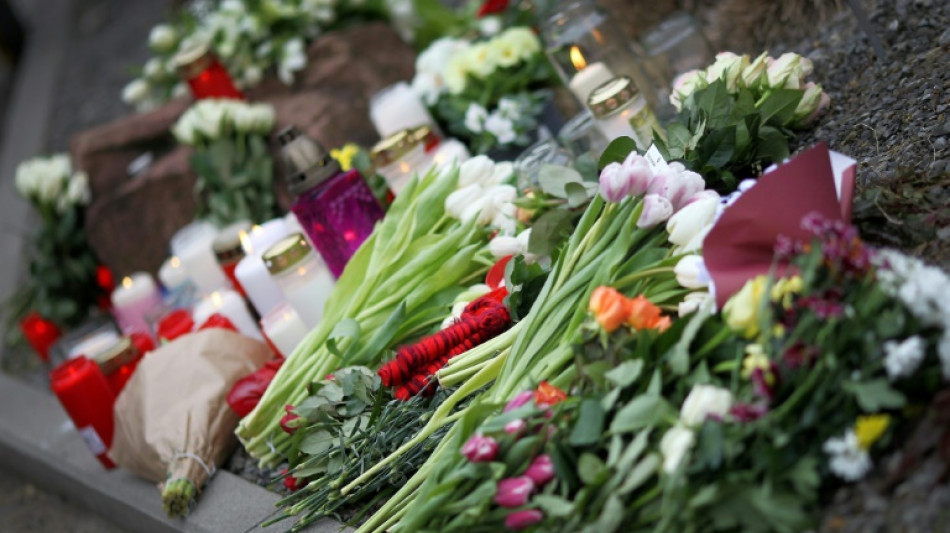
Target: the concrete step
(38, 441)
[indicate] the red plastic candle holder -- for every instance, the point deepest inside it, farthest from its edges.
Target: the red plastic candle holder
(205, 75)
(218, 320)
(174, 325)
(40, 333)
(84, 393)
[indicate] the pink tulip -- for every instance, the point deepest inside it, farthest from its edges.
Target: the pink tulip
(519, 400)
(614, 183)
(656, 209)
(514, 491)
(516, 426)
(522, 519)
(702, 195)
(480, 449)
(691, 183)
(639, 173)
(541, 470)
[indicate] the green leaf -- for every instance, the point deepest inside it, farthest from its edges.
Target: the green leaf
(875, 395)
(317, 442)
(590, 424)
(625, 373)
(553, 505)
(772, 145)
(347, 328)
(578, 194)
(611, 516)
(718, 147)
(804, 476)
(617, 151)
(779, 107)
(549, 231)
(591, 469)
(645, 469)
(643, 411)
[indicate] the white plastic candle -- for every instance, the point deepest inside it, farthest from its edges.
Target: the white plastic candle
(396, 108)
(228, 303)
(303, 276)
(284, 328)
(450, 151)
(132, 300)
(94, 344)
(588, 79)
(192, 245)
(261, 290)
(172, 274)
(264, 236)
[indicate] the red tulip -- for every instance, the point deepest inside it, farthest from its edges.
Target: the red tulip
(480, 449)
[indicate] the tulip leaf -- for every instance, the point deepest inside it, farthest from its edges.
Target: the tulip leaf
(590, 424)
(643, 411)
(875, 395)
(553, 505)
(591, 469)
(617, 151)
(554, 179)
(579, 194)
(549, 231)
(626, 373)
(640, 474)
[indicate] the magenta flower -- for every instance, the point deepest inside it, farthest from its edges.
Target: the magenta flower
(748, 412)
(541, 470)
(515, 427)
(521, 519)
(639, 173)
(514, 491)
(480, 449)
(519, 400)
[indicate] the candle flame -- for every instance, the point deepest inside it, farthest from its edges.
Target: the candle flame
(577, 58)
(404, 167)
(127, 282)
(246, 241)
(175, 262)
(216, 299)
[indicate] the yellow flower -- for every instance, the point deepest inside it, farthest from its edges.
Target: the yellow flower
(522, 39)
(785, 288)
(456, 73)
(481, 60)
(756, 359)
(345, 155)
(742, 310)
(870, 428)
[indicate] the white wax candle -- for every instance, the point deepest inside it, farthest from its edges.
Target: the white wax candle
(172, 274)
(450, 151)
(132, 299)
(262, 237)
(307, 285)
(230, 304)
(588, 79)
(284, 328)
(261, 289)
(397, 108)
(192, 245)
(94, 345)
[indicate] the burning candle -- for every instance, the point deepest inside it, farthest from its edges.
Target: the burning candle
(84, 393)
(303, 276)
(132, 299)
(262, 291)
(449, 152)
(230, 304)
(229, 251)
(40, 333)
(284, 329)
(588, 77)
(205, 75)
(397, 108)
(192, 245)
(172, 274)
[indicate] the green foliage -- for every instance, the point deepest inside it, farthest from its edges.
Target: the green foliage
(235, 179)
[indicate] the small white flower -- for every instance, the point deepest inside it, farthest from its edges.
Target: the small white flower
(675, 445)
(692, 303)
(704, 401)
(502, 128)
(489, 26)
(847, 460)
(901, 359)
(475, 117)
(509, 108)
(253, 75)
(154, 69)
(163, 38)
(136, 91)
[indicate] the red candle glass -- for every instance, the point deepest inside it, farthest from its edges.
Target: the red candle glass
(84, 393)
(142, 342)
(174, 325)
(229, 251)
(218, 320)
(118, 363)
(205, 75)
(40, 333)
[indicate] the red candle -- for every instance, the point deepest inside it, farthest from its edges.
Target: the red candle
(218, 320)
(40, 333)
(142, 342)
(229, 251)
(174, 325)
(206, 76)
(118, 363)
(84, 393)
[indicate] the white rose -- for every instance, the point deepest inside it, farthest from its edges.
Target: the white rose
(184, 129)
(691, 272)
(503, 246)
(691, 219)
(49, 187)
(685, 84)
(788, 71)
(692, 303)
(209, 116)
(60, 166)
(477, 170)
(753, 74)
(163, 38)
(703, 401)
(243, 118)
(728, 67)
(675, 445)
(136, 91)
(154, 69)
(475, 117)
(77, 191)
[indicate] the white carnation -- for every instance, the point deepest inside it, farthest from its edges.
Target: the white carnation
(902, 358)
(847, 459)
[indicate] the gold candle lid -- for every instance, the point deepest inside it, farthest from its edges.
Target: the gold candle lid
(394, 147)
(611, 96)
(120, 354)
(286, 253)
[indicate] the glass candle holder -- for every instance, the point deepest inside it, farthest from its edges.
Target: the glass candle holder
(528, 164)
(118, 363)
(41, 333)
(620, 110)
(284, 329)
(587, 49)
(133, 300)
(336, 209)
(192, 245)
(84, 393)
(304, 279)
(205, 75)
(581, 136)
(400, 156)
(677, 45)
(229, 251)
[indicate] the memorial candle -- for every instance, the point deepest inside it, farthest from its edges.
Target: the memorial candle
(284, 328)
(230, 304)
(397, 108)
(204, 74)
(588, 77)
(40, 333)
(229, 251)
(192, 245)
(132, 299)
(262, 291)
(84, 393)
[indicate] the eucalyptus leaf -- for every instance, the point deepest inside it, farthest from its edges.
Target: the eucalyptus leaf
(647, 410)
(590, 424)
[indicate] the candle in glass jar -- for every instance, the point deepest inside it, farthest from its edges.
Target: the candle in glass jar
(132, 300)
(397, 108)
(303, 276)
(450, 151)
(229, 251)
(94, 345)
(84, 393)
(621, 110)
(284, 328)
(172, 274)
(40, 333)
(193, 246)
(204, 74)
(230, 304)
(588, 77)
(262, 291)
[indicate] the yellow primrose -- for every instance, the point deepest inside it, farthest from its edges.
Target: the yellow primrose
(522, 39)
(481, 60)
(507, 54)
(785, 288)
(742, 310)
(756, 359)
(869, 429)
(345, 155)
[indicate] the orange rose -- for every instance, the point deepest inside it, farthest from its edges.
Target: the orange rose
(610, 308)
(547, 394)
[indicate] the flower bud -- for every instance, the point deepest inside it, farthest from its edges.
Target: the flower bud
(639, 173)
(521, 519)
(614, 185)
(754, 74)
(289, 421)
(685, 84)
(163, 38)
(610, 308)
(480, 449)
(675, 444)
(514, 492)
(728, 67)
(519, 400)
(541, 470)
(704, 401)
(656, 209)
(692, 302)
(516, 427)
(787, 71)
(691, 219)
(691, 272)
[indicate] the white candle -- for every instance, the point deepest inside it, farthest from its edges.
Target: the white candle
(229, 303)
(261, 290)
(94, 345)
(132, 300)
(396, 108)
(172, 274)
(588, 79)
(451, 151)
(284, 328)
(262, 237)
(192, 245)
(303, 276)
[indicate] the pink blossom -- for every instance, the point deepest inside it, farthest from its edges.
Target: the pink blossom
(522, 519)
(514, 491)
(541, 470)
(614, 183)
(515, 427)
(480, 449)
(656, 209)
(748, 412)
(519, 400)
(639, 173)
(691, 183)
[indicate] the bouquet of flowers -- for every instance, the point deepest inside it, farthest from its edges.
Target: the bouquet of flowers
(64, 273)
(486, 92)
(235, 171)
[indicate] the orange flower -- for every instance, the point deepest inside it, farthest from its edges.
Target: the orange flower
(610, 308)
(547, 394)
(645, 315)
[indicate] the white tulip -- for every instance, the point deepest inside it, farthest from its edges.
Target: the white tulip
(675, 445)
(656, 209)
(477, 170)
(503, 246)
(704, 401)
(692, 303)
(691, 272)
(690, 220)
(163, 38)
(696, 243)
(502, 173)
(457, 202)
